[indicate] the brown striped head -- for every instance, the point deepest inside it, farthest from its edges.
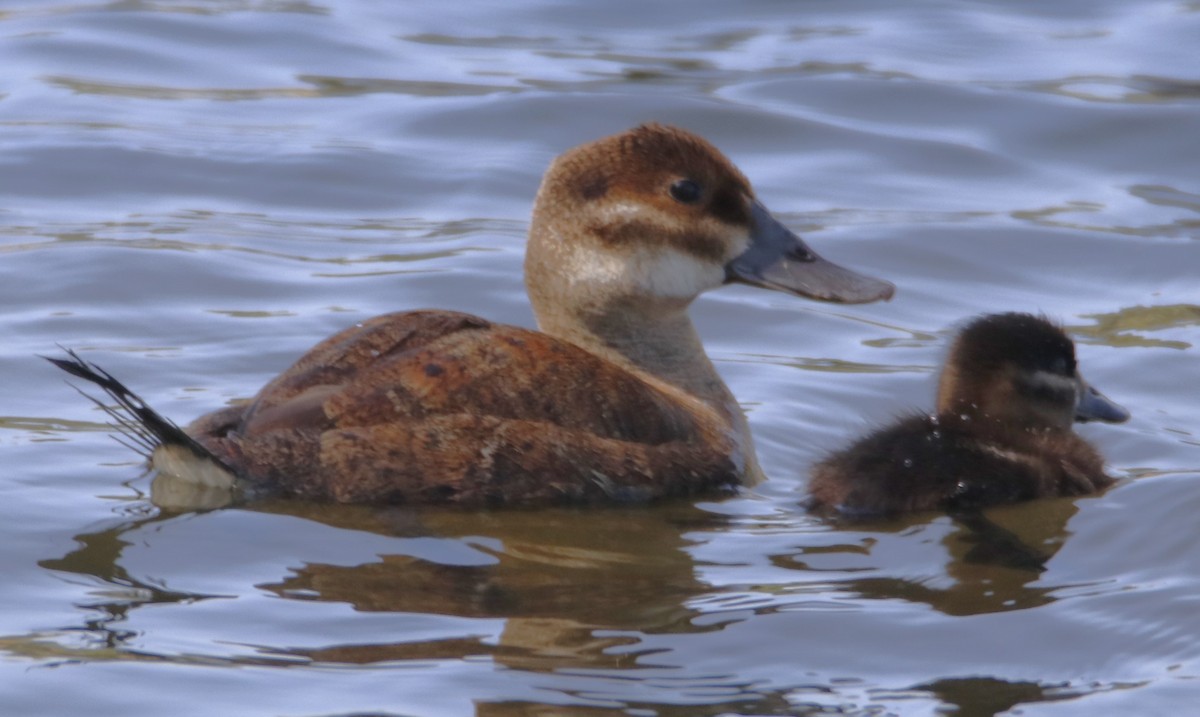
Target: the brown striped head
(1020, 370)
(656, 215)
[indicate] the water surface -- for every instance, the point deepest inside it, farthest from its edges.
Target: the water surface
(193, 192)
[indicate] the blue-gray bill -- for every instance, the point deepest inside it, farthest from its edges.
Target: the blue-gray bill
(1095, 406)
(778, 259)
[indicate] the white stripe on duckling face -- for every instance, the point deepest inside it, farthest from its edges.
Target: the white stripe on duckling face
(1055, 383)
(1051, 397)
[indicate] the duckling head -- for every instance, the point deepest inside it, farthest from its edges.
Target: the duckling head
(1020, 370)
(644, 221)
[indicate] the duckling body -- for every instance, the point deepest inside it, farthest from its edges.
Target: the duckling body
(1007, 400)
(613, 399)
(943, 462)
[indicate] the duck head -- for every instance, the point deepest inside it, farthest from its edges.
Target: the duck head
(1020, 370)
(645, 221)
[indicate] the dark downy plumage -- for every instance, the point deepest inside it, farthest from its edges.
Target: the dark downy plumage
(1007, 399)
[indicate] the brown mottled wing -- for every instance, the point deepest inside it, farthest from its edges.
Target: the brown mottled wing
(332, 363)
(444, 407)
(340, 358)
(512, 373)
(416, 365)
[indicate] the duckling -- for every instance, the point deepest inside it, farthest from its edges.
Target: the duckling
(1006, 402)
(612, 400)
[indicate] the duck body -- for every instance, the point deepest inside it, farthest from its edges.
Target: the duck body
(1008, 397)
(612, 400)
(443, 407)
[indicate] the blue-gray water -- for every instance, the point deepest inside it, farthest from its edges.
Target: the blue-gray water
(193, 192)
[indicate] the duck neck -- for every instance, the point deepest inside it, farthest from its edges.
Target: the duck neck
(664, 347)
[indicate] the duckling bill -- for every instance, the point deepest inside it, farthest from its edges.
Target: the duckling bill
(612, 400)
(1007, 399)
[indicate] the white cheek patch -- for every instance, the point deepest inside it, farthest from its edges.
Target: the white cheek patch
(660, 272)
(1053, 383)
(648, 266)
(672, 274)
(1053, 397)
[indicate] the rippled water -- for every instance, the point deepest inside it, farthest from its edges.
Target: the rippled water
(194, 192)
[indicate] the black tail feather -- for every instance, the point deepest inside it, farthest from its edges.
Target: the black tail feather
(137, 438)
(141, 428)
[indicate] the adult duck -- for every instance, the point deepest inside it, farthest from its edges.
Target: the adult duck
(612, 400)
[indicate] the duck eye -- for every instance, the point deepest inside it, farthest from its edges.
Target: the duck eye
(1063, 366)
(685, 191)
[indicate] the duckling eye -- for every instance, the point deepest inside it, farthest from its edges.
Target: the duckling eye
(1063, 366)
(686, 191)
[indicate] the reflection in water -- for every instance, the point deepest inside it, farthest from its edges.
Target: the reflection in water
(165, 160)
(153, 92)
(353, 86)
(258, 237)
(1117, 328)
(995, 559)
(98, 556)
(771, 703)
(986, 696)
(577, 590)
(560, 578)
(1062, 215)
(1134, 89)
(209, 7)
(1164, 196)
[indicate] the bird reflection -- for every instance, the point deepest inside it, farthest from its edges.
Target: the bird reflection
(553, 590)
(995, 559)
(98, 556)
(992, 696)
(561, 581)
(560, 577)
